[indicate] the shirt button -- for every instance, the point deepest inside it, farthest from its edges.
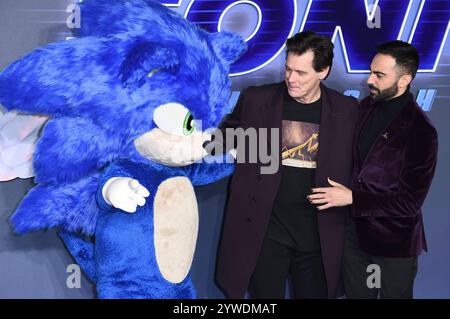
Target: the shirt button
(249, 220)
(253, 199)
(359, 180)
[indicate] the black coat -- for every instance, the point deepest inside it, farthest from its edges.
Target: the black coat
(252, 194)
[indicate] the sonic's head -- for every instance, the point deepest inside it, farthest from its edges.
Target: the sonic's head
(181, 90)
(146, 76)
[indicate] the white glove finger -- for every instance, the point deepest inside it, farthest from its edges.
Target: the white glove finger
(126, 205)
(142, 191)
(134, 184)
(137, 199)
(138, 188)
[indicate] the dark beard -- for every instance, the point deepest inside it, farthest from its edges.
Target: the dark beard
(385, 94)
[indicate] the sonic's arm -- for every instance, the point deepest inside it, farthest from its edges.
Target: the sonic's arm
(214, 168)
(224, 137)
(211, 169)
(120, 191)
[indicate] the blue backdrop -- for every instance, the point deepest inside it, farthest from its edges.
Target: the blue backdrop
(34, 266)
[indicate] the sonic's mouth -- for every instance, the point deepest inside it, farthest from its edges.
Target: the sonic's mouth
(170, 149)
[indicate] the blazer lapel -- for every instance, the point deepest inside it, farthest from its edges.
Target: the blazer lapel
(365, 115)
(401, 121)
(270, 115)
(271, 111)
(395, 128)
(328, 117)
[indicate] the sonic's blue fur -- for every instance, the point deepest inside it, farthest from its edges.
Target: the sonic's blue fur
(119, 261)
(70, 207)
(99, 96)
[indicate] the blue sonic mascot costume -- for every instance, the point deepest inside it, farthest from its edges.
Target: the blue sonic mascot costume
(130, 102)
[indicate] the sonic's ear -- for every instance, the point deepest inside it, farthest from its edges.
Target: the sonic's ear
(228, 46)
(146, 59)
(57, 78)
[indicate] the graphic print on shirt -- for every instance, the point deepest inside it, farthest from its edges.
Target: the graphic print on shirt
(300, 143)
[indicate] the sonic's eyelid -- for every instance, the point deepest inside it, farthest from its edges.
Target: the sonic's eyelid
(173, 118)
(152, 72)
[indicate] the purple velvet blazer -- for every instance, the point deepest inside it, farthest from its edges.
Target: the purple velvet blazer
(390, 186)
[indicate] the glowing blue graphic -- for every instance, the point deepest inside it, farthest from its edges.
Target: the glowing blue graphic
(371, 6)
(173, 3)
(253, 4)
(425, 99)
(402, 28)
(346, 19)
(430, 32)
(277, 24)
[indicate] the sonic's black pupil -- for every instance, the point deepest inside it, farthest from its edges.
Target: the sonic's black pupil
(189, 122)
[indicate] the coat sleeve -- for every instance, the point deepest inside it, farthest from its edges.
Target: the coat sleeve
(230, 121)
(415, 181)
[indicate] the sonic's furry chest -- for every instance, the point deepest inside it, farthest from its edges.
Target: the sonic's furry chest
(161, 235)
(175, 227)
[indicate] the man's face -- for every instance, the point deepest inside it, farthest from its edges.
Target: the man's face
(300, 76)
(384, 79)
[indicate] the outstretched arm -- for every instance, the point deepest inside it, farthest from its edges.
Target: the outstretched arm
(211, 169)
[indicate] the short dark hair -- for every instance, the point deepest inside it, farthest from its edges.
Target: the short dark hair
(321, 46)
(405, 55)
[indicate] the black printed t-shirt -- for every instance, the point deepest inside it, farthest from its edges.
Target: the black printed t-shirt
(294, 219)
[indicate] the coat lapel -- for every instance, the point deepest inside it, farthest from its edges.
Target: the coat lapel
(271, 115)
(271, 111)
(395, 128)
(327, 123)
(366, 109)
(400, 122)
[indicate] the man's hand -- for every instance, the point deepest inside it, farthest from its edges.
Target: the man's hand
(124, 193)
(335, 196)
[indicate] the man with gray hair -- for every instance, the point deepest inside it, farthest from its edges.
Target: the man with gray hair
(270, 229)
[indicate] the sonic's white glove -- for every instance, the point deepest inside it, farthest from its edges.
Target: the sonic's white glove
(124, 193)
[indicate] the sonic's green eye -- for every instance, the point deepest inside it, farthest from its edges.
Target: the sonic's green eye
(174, 118)
(189, 124)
